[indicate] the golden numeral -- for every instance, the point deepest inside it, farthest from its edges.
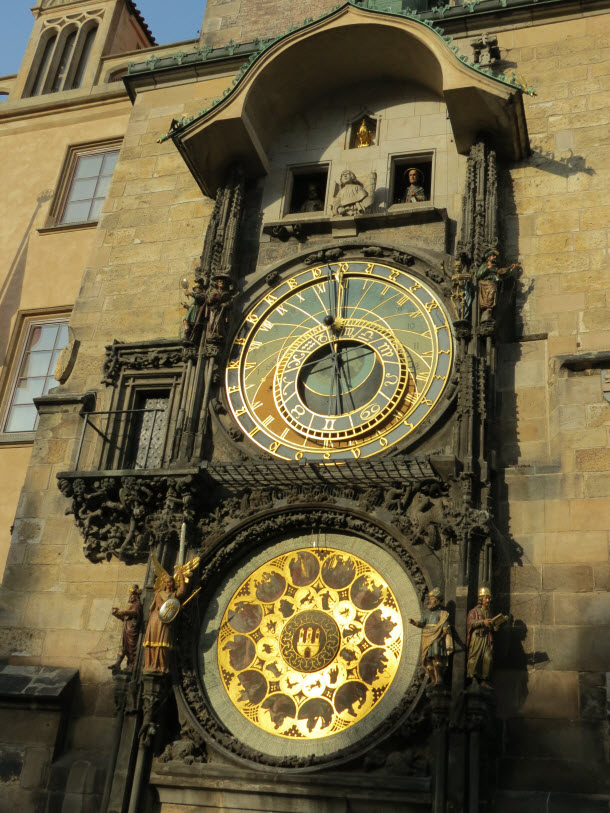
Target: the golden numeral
(241, 411)
(430, 306)
(440, 377)
(369, 268)
(402, 301)
(257, 404)
(415, 287)
(321, 287)
(267, 325)
(232, 390)
(394, 275)
(274, 446)
(252, 318)
(344, 268)
(266, 422)
(281, 310)
(328, 444)
(443, 352)
(326, 455)
(316, 272)
(384, 290)
(298, 456)
(383, 442)
(284, 433)
(292, 283)
(355, 452)
(270, 299)
(329, 424)
(233, 365)
(409, 424)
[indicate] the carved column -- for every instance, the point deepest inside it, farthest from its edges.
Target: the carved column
(218, 272)
(155, 687)
(439, 710)
(478, 707)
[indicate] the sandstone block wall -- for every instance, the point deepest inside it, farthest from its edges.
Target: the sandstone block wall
(555, 422)
(244, 20)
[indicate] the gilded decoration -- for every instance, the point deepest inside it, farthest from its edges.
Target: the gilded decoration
(339, 361)
(309, 643)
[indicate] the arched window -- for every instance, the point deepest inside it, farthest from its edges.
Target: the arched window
(84, 57)
(43, 66)
(64, 62)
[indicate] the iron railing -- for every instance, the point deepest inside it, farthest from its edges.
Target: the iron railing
(120, 442)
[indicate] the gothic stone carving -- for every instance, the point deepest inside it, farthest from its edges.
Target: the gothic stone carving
(127, 516)
(121, 356)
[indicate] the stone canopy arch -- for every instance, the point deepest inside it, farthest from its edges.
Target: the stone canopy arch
(346, 47)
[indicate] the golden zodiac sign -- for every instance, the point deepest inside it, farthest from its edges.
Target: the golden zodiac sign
(309, 643)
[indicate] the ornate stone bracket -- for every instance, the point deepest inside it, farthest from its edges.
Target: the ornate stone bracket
(126, 515)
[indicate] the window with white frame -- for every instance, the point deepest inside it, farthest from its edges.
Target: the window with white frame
(42, 343)
(89, 174)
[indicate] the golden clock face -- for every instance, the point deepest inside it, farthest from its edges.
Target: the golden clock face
(339, 362)
(309, 643)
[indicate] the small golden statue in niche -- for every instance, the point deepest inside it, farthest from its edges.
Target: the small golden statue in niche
(364, 135)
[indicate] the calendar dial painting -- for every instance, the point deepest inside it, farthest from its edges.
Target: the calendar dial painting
(339, 361)
(309, 643)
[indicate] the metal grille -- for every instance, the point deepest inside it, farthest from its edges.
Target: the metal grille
(150, 433)
(349, 472)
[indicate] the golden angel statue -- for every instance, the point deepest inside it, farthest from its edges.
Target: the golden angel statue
(169, 593)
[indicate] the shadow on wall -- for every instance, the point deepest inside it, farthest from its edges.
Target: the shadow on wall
(566, 166)
(10, 292)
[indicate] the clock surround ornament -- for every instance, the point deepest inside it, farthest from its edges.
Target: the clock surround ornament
(340, 361)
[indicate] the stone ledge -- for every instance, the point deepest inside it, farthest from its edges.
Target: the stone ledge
(40, 683)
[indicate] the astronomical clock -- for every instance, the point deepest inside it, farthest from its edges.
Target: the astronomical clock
(338, 362)
(305, 654)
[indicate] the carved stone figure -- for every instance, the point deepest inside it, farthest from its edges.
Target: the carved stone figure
(218, 298)
(158, 636)
(489, 276)
(436, 640)
(313, 202)
(131, 617)
(352, 198)
(461, 291)
(427, 515)
(480, 629)
(414, 192)
(194, 309)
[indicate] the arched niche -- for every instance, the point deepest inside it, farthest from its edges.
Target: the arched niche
(350, 46)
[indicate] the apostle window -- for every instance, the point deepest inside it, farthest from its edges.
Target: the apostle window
(411, 178)
(307, 191)
(43, 341)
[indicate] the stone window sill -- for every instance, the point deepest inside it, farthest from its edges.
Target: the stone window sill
(17, 438)
(59, 227)
(302, 225)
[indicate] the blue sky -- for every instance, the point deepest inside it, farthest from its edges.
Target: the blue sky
(169, 21)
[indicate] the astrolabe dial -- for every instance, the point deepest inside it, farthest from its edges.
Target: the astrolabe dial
(309, 643)
(339, 362)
